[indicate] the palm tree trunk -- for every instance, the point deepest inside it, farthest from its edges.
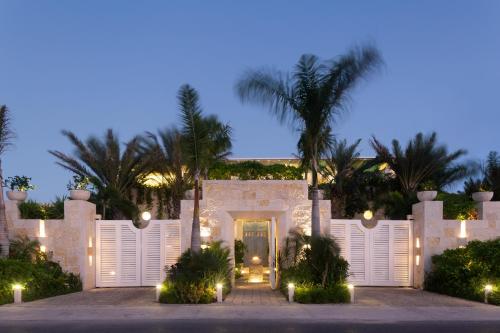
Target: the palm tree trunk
(195, 231)
(4, 232)
(315, 222)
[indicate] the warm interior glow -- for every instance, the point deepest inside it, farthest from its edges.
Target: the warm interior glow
(417, 260)
(463, 229)
(368, 215)
(112, 273)
(205, 232)
(41, 232)
(255, 279)
(146, 216)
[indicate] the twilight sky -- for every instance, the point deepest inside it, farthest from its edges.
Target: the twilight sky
(89, 65)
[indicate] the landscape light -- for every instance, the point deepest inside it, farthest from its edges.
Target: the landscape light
(368, 215)
(159, 288)
(291, 292)
(350, 287)
(146, 216)
(41, 229)
(43, 249)
(487, 290)
(218, 287)
(18, 297)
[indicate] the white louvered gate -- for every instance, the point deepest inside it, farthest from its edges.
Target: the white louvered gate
(381, 256)
(127, 256)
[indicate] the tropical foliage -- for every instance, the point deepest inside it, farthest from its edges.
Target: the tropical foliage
(422, 161)
(195, 276)
(6, 137)
(314, 266)
(489, 179)
(31, 209)
(113, 171)
(35, 272)
(310, 99)
(464, 272)
(249, 170)
(205, 141)
(19, 183)
(457, 206)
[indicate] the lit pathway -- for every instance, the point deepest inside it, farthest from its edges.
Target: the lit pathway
(254, 294)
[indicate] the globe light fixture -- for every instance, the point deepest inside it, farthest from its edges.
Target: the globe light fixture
(146, 216)
(368, 215)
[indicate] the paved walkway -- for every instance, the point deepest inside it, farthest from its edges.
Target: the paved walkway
(254, 294)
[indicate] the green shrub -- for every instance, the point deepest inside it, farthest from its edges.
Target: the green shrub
(239, 251)
(457, 206)
(248, 170)
(39, 276)
(193, 279)
(465, 271)
(31, 209)
(309, 293)
(315, 267)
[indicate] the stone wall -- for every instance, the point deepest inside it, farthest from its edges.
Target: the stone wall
(436, 234)
(70, 241)
(225, 201)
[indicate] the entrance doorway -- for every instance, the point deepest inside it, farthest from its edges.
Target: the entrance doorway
(256, 251)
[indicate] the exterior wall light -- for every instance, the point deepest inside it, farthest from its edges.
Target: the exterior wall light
(417, 260)
(205, 232)
(350, 287)
(146, 216)
(291, 292)
(41, 229)
(487, 291)
(218, 287)
(462, 237)
(18, 293)
(159, 288)
(368, 215)
(417, 251)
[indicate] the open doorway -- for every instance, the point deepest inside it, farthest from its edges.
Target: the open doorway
(255, 251)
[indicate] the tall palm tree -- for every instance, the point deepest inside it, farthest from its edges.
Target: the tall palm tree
(422, 160)
(113, 172)
(164, 150)
(341, 165)
(6, 138)
(311, 98)
(206, 141)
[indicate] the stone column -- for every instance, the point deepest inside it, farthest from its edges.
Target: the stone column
(79, 238)
(427, 227)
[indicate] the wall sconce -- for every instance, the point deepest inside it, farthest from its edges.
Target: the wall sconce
(417, 260)
(41, 229)
(417, 251)
(90, 251)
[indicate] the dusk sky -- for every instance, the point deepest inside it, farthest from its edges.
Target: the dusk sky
(86, 66)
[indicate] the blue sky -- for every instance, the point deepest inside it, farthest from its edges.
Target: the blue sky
(90, 65)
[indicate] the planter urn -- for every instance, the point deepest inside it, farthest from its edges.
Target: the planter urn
(426, 195)
(15, 195)
(482, 196)
(83, 195)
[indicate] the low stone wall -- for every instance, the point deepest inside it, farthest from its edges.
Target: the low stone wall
(70, 241)
(433, 234)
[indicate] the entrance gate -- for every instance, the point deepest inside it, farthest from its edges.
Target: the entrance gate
(127, 256)
(381, 256)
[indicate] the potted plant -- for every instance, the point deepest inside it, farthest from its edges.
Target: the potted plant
(19, 185)
(79, 188)
(483, 194)
(427, 191)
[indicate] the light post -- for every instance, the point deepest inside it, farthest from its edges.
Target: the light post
(291, 292)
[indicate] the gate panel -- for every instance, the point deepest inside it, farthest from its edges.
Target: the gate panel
(117, 254)
(381, 256)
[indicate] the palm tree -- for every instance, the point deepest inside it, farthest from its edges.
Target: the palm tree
(422, 160)
(164, 150)
(206, 141)
(113, 172)
(6, 137)
(490, 177)
(341, 165)
(311, 98)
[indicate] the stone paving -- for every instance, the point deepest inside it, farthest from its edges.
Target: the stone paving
(254, 294)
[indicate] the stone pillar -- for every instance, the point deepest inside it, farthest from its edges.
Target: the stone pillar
(79, 229)
(427, 227)
(489, 210)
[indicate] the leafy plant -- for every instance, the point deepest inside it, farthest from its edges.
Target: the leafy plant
(25, 249)
(457, 206)
(464, 272)
(310, 99)
(239, 251)
(249, 170)
(308, 293)
(31, 209)
(193, 279)
(489, 179)
(19, 183)
(79, 182)
(428, 185)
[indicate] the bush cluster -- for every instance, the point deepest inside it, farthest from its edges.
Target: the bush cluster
(457, 206)
(193, 279)
(31, 209)
(250, 170)
(464, 272)
(32, 269)
(316, 269)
